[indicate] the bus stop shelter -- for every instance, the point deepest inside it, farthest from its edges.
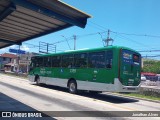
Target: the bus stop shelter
(22, 20)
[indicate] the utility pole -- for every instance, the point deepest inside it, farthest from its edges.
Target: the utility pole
(18, 54)
(74, 37)
(108, 39)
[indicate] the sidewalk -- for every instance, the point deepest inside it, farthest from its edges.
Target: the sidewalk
(8, 104)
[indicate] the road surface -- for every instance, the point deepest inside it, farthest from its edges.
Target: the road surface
(51, 98)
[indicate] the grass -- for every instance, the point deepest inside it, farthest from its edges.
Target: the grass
(138, 95)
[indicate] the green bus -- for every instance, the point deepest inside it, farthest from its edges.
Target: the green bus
(113, 69)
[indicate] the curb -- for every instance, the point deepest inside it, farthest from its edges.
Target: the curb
(13, 75)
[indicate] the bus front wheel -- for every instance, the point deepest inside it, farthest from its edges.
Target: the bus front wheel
(72, 87)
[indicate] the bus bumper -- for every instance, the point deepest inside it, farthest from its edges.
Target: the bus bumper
(121, 88)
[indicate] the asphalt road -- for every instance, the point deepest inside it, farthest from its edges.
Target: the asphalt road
(52, 98)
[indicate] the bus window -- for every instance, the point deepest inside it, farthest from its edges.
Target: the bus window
(39, 62)
(33, 62)
(130, 57)
(56, 61)
(80, 60)
(136, 59)
(47, 62)
(96, 60)
(67, 61)
(109, 58)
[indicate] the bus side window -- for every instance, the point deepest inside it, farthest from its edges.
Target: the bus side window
(67, 61)
(47, 61)
(96, 60)
(80, 60)
(109, 58)
(40, 62)
(33, 62)
(56, 61)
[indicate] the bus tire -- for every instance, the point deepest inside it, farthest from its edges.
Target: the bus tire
(72, 87)
(37, 80)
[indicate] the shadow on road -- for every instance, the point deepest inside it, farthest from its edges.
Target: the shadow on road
(12, 105)
(104, 96)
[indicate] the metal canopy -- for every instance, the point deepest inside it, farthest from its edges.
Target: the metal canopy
(22, 20)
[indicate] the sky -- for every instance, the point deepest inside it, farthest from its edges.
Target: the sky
(133, 23)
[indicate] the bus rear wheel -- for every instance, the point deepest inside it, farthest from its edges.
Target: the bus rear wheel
(72, 87)
(37, 81)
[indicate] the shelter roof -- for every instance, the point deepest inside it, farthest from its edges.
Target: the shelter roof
(22, 20)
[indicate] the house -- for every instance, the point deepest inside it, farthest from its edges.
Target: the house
(8, 62)
(24, 61)
(12, 62)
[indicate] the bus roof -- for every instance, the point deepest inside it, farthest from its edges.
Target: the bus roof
(88, 50)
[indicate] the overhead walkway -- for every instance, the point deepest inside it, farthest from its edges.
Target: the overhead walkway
(22, 20)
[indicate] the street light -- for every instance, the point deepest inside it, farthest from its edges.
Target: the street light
(66, 41)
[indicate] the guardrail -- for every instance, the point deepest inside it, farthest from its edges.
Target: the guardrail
(150, 88)
(150, 83)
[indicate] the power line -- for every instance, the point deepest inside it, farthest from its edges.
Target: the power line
(102, 32)
(150, 56)
(66, 41)
(34, 46)
(102, 38)
(149, 51)
(91, 34)
(138, 43)
(37, 46)
(140, 35)
(98, 26)
(131, 34)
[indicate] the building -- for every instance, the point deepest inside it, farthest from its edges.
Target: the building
(11, 62)
(24, 61)
(8, 62)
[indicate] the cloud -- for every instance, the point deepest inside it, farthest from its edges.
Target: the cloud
(13, 46)
(25, 48)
